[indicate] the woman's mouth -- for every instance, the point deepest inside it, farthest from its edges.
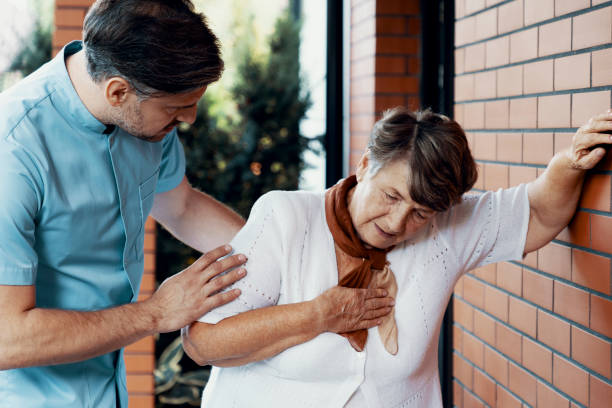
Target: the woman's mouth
(383, 232)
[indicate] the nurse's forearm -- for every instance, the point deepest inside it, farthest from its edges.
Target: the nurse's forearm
(48, 336)
(262, 333)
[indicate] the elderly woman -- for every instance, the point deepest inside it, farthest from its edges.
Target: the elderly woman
(400, 227)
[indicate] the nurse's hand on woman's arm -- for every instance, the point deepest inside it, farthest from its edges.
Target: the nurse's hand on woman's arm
(262, 333)
(34, 336)
(553, 197)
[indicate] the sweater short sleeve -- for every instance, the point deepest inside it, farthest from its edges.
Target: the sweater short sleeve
(488, 228)
(172, 167)
(261, 241)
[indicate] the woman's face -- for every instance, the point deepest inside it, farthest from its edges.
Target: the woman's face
(381, 209)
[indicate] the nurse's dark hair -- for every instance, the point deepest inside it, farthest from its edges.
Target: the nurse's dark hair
(158, 46)
(440, 165)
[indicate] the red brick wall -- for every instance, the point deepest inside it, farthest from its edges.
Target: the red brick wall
(384, 64)
(536, 332)
(139, 357)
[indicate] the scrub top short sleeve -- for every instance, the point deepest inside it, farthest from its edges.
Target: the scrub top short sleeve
(172, 168)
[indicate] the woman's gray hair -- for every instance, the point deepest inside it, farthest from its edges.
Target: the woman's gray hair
(435, 150)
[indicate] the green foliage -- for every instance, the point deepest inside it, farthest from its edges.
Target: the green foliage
(236, 160)
(36, 49)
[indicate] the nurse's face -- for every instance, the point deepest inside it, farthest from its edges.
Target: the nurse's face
(153, 118)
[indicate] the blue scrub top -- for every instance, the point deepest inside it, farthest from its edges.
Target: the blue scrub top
(73, 203)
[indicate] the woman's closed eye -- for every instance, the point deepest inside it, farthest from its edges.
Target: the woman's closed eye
(390, 197)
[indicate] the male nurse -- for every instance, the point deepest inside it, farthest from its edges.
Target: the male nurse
(87, 151)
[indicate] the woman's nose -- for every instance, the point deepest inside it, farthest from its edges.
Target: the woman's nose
(397, 220)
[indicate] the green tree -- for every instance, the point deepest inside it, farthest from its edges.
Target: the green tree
(37, 46)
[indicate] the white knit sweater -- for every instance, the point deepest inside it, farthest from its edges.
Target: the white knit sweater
(291, 258)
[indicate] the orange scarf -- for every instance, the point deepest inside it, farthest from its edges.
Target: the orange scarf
(346, 239)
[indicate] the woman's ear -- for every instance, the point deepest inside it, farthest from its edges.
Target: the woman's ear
(362, 166)
(116, 91)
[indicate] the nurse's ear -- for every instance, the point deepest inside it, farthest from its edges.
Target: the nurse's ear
(116, 91)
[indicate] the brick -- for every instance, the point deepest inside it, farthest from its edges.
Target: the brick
(510, 277)
(472, 6)
(139, 363)
(497, 52)
(538, 77)
(465, 31)
(459, 8)
(148, 283)
(475, 57)
(397, 7)
(596, 193)
(473, 292)
(505, 399)
(480, 180)
(485, 85)
(573, 72)
(537, 359)
(458, 113)
(538, 10)
(563, 140)
(402, 84)
(496, 114)
(149, 263)
(537, 289)
(462, 370)
(510, 16)
(484, 327)
(588, 104)
(571, 379)
(144, 345)
(496, 303)
(602, 67)
(524, 45)
(554, 111)
(519, 175)
(601, 310)
(549, 398)
(363, 86)
(486, 24)
(73, 3)
(141, 401)
(488, 273)
(523, 317)
(508, 341)
(71, 17)
(510, 81)
(463, 314)
(362, 123)
(470, 401)
(457, 395)
(150, 225)
(555, 38)
(496, 365)
(484, 146)
(364, 67)
(537, 147)
(522, 384)
(554, 332)
(592, 28)
(524, 113)
(591, 270)
(464, 87)
(571, 303)
(457, 338)
(149, 242)
(63, 36)
(556, 259)
(459, 61)
(397, 45)
(591, 351)
(363, 11)
(496, 176)
(510, 147)
(578, 231)
(391, 65)
(364, 29)
(384, 102)
(473, 349)
(601, 226)
(391, 25)
(567, 6)
(600, 393)
(474, 115)
(484, 387)
(140, 382)
(364, 48)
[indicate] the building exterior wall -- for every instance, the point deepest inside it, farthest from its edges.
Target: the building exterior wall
(384, 64)
(538, 332)
(140, 356)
